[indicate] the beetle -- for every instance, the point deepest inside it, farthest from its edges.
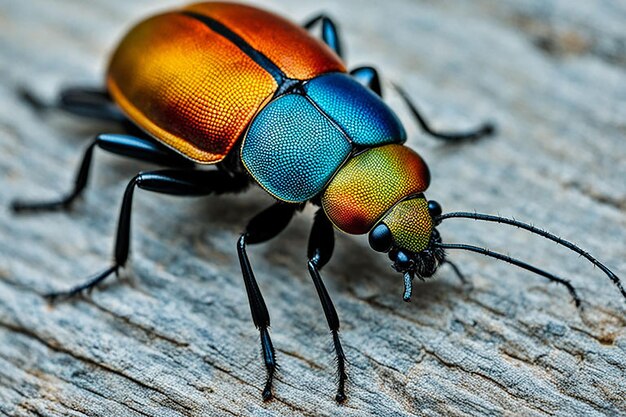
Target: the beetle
(266, 103)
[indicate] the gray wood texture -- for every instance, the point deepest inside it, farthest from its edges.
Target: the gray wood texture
(177, 340)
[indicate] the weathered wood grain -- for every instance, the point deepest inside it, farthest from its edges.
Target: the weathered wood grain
(177, 340)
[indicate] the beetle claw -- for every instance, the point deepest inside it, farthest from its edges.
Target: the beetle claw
(267, 394)
(340, 397)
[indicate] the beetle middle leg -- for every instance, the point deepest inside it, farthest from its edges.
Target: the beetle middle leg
(179, 182)
(368, 76)
(140, 148)
(263, 227)
(321, 245)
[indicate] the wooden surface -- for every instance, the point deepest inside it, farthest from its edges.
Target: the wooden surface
(177, 339)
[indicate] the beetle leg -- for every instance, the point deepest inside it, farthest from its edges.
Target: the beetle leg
(321, 245)
(330, 34)
(368, 77)
(82, 101)
(263, 227)
(460, 275)
(486, 129)
(89, 102)
(180, 182)
(144, 149)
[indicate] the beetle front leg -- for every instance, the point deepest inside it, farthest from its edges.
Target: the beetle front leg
(321, 245)
(263, 227)
(173, 182)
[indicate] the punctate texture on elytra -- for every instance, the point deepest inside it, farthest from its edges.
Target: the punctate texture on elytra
(193, 88)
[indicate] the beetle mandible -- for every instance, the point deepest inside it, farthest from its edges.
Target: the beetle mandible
(266, 103)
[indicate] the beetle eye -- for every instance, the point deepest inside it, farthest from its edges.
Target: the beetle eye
(380, 238)
(434, 208)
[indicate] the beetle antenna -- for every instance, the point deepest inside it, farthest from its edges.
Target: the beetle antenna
(490, 218)
(515, 262)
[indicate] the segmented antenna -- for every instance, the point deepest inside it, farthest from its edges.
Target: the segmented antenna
(515, 262)
(496, 219)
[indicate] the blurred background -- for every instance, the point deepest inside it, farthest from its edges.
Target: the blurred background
(177, 338)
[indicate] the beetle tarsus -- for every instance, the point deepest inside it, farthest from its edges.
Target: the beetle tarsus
(18, 206)
(269, 357)
(340, 397)
(487, 129)
(64, 203)
(31, 99)
(89, 285)
(267, 391)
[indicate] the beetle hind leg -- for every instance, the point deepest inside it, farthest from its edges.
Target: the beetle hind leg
(486, 129)
(179, 182)
(90, 284)
(330, 34)
(88, 102)
(131, 146)
(368, 76)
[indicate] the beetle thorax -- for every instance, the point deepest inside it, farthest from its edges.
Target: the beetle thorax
(375, 184)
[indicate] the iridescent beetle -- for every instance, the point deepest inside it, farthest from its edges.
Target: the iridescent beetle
(266, 103)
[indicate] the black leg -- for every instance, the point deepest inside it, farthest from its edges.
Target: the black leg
(134, 147)
(178, 182)
(330, 34)
(368, 76)
(263, 227)
(321, 245)
(81, 101)
(457, 271)
(485, 129)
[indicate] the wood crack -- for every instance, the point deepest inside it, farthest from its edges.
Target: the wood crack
(89, 361)
(485, 377)
(150, 332)
(190, 349)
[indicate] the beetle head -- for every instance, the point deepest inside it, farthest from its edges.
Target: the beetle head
(407, 233)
